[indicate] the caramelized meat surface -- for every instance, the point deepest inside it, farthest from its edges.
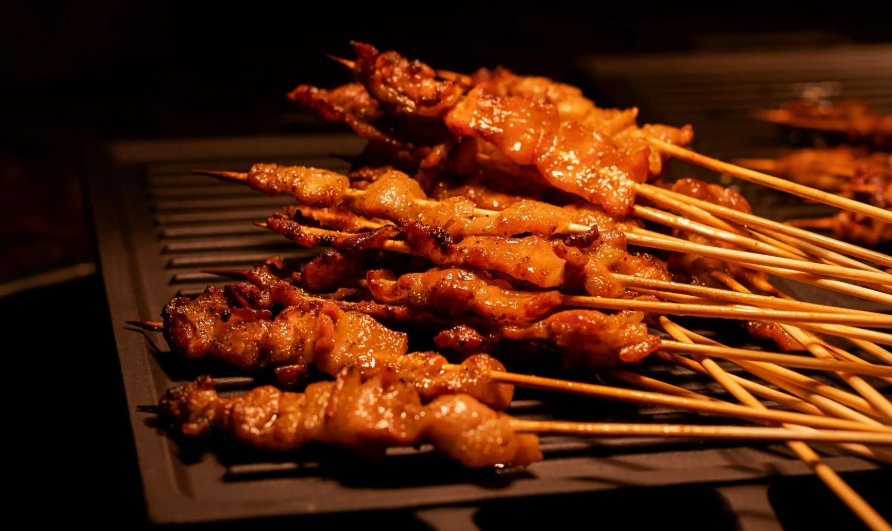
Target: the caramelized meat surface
(591, 338)
(365, 417)
(453, 291)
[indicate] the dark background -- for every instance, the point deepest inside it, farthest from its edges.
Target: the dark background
(76, 74)
(73, 74)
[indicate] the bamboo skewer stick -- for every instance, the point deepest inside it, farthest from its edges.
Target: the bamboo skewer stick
(763, 301)
(687, 299)
(799, 401)
(830, 478)
(658, 241)
(819, 252)
(779, 376)
(765, 392)
(810, 384)
(877, 351)
(828, 283)
(658, 386)
(857, 383)
(688, 431)
(770, 181)
(848, 332)
(830, 406)
(876, 320)
(779, 359)
(714, 407)
(828, 257)
(842, 355)
(677, 222)
(811, 343)
(756, 221)
(722, 312)
(653, 240)
(831, 257)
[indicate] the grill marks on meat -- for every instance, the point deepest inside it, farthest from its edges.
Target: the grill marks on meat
(214, 326)
(396, 197)
(311, 186)
(454, 291)
(570, 262)
(470, 334)
(403, 86)
(364, 417)
(318, 333)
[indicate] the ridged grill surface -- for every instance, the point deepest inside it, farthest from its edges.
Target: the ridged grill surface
(159, 225)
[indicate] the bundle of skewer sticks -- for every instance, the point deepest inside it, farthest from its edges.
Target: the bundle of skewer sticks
(852, 414)
(851, 172)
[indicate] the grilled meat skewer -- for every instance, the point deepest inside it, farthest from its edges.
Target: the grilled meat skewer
(365, 417)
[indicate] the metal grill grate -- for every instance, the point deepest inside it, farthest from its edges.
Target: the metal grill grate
(158, 225)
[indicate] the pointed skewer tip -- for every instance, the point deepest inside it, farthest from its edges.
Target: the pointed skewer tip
(225, 175)
(154, 326)
(346, 62)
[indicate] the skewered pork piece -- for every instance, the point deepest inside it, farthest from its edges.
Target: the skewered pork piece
(364, 417)
(855, 118)
(385, 189)
(531, 127)
(222, 325)
(582, 261)
(441, 297)
(215, 326)
(596, 273)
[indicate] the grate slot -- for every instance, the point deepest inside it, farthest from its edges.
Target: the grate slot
(226, 190)
(211, 230)
(272, 241)
(236, 202)
(231, 259)
(237, 214)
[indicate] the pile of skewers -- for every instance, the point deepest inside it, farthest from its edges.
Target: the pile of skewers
(492, 213)
(861, 170)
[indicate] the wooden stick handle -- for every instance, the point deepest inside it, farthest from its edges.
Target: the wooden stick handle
(747, 433)
(702, 406)
(770, 181)
(778, 359)
(726, 312)
(755, 221)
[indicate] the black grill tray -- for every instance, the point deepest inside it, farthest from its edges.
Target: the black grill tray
(157, 225)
